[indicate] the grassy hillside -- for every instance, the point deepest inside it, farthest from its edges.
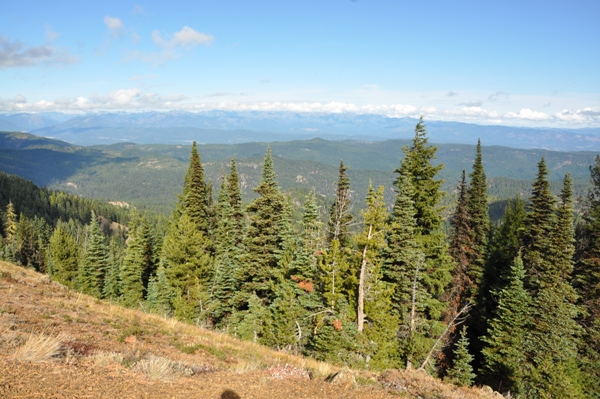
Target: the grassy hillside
(60, 343)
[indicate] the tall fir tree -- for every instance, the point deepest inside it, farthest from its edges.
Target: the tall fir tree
(195, 198)
(187, 250)
(138, 262)
(505, 244)
(477, 207)
(63, 257)
(403, 258)
(188, 268)
(340, 216)
(95, 261)
(370, 243)
(551, 341)
(427, 191)
(10, 230)
(374, 312)
(541, 220)
(264, 238)
(460, 290)
(503, 351)
(235, 198)
(426, 195)
(587, 282)
(112, 278)
(312, 227)
(434, 269)
(227, 236)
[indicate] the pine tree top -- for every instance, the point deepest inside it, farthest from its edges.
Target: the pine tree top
(268, 181)
(426, 189)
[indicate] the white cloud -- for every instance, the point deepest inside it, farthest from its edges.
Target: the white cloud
(585, 115)
(124, 96)
(133, 99)
(526, 113)
(190, 37)
(185, 38)
(115, 26)
(15, 54)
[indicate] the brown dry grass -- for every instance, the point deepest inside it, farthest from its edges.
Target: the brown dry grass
(163, 350)
(37, 348)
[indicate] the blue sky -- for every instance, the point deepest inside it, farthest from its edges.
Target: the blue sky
(530, 63)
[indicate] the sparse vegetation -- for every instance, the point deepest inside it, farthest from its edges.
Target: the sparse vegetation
(38, 347)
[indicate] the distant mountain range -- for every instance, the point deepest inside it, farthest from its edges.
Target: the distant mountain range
(227, 127)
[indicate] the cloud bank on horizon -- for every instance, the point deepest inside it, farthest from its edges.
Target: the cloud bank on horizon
(467, 62)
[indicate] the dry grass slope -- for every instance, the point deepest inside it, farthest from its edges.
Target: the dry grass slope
(53, 340)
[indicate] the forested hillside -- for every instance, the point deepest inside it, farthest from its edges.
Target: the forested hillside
(150, 176)
(513, 305)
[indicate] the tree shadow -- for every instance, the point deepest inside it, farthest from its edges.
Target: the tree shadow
(229, 394)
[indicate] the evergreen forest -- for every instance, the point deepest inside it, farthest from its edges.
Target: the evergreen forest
(417, 278)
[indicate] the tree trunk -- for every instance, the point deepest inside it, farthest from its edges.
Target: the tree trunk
(361, 285)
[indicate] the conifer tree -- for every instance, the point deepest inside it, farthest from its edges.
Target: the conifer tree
(426, 189)
(461, 372)
(587, 282)
(334, 270)
(227, 256)
(138, 263)
(134, 265)
(24, 242)
(311, 224)
(112, 282)
(10, 226)
(267, 216)
(370, 242)
(374, 312)
(551, 341)
(235, 194)
(160, 293)
(195, 197)
(426, 194)
(10, 231)
(402, 251)
(95, 261)
(63, 257)
(188, 267)
(403, 258)
(251, 321)
(340, 217)
(298, 299)
(541, 220)
(503, 353)
(504, 246)
(427, 273)
(477, 206)
(112, 278)
(461, 249)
